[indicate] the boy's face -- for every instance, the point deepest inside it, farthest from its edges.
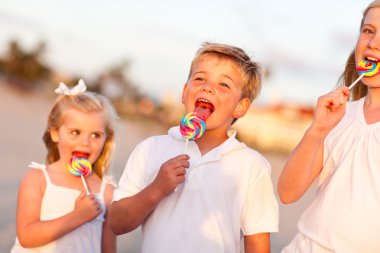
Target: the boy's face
(216, 85)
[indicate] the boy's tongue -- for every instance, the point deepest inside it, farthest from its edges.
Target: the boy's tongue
(203, 111)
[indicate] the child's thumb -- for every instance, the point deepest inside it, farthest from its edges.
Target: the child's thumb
(82, 194)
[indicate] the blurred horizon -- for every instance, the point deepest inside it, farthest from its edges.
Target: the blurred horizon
(303, 45)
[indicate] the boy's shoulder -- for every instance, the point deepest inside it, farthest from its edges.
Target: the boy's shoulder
(243, 154)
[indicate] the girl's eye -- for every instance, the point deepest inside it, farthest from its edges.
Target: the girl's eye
(96, 135)
(75, 132)
(199, 79)
(367, 30)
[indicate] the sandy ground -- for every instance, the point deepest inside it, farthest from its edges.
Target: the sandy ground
(23, 120)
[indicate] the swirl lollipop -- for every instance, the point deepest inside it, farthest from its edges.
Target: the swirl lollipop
(365, 68)
(80, 166)
(192, 127)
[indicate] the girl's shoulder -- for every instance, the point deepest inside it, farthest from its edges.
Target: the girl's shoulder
(34, 179)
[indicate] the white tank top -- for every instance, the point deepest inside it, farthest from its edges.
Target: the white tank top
(58, 201)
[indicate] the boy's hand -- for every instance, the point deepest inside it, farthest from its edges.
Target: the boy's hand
(87, 207)
(330, 109)
(171, 173)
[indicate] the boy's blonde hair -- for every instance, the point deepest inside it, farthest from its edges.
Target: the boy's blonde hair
(251, 72)
(85, 102)
(350, 74)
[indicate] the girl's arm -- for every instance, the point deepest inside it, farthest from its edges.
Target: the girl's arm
(31, 231)
(108, 237)
(130, 212)
(305, 163)
(258, 243)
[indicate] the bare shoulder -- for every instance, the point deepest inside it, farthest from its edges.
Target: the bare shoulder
(33, 183)
(34, 177)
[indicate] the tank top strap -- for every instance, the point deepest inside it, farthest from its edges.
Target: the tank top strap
(42, 167)
(107, 179)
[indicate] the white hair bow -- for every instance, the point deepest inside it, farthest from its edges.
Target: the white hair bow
(78, 89)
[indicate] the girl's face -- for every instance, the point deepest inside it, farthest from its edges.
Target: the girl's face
(80, 133)
(368, 45)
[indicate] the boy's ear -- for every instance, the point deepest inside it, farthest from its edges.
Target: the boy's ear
(183, 93)
(242, 108)
(54, 135)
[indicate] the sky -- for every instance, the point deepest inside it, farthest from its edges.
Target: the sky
(304, 44)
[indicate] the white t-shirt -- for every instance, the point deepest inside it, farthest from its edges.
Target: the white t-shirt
(227, 193)
(345, 216)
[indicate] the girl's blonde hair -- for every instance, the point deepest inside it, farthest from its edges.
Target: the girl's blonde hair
(86, 102)
(350, 74)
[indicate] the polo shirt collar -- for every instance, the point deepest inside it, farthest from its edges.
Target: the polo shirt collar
(227, 146)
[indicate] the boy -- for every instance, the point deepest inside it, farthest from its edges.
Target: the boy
(206, 200)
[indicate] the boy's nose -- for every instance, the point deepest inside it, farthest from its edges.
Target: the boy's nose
(208, 88)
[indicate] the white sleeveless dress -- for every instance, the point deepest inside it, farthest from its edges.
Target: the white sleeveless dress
(58, 201)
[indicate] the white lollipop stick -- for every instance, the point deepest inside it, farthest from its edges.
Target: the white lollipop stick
(85, 184)
(356, 81)
(186, 143)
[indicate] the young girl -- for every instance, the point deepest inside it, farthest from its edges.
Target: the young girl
(342, 148)
(54, 213)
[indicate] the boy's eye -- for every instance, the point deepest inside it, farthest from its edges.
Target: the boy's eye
(224, 85)
(199, 79)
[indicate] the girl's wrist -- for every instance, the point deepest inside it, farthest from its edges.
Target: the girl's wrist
(316, 132)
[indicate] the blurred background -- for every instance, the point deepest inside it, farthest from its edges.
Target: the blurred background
(139, 53)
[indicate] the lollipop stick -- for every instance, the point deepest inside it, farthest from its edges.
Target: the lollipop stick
(186, 143)
(356, 81)
(84, 184)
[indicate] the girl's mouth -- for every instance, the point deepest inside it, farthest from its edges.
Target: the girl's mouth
(79, 154)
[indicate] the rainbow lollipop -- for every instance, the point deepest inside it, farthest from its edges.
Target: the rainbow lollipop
(192, 126)
(80, 166)
(365, 68)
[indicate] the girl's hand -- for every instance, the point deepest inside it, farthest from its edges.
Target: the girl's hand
(171, 173)
(330, 110)
(87, 207)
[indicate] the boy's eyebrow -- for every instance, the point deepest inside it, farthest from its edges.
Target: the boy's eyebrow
(204, 72)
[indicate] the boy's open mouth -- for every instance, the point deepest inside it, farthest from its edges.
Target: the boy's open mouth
(203, 108)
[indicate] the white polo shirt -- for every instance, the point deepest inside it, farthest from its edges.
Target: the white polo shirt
(227, 193)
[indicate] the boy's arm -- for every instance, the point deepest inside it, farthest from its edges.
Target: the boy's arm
(306, 162)
(31, 231)
(128, 213)
(257, 243)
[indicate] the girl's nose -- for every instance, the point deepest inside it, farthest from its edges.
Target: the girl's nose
(374, 43)
(85, 141)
